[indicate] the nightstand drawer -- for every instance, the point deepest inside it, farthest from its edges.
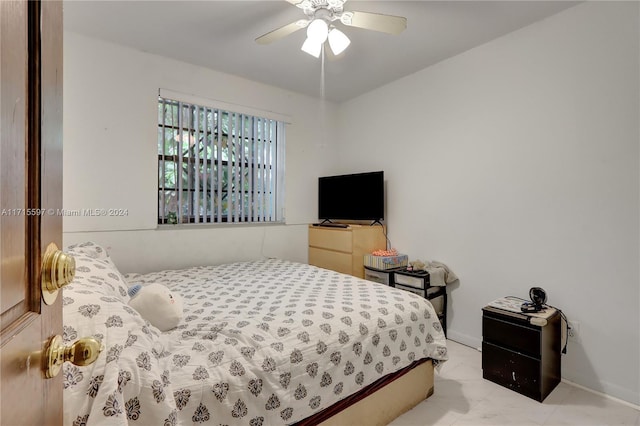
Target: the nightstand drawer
(512, 370)
(332, 239)
(382, 277)
(420, 282)
(420, 292)
(511, 336)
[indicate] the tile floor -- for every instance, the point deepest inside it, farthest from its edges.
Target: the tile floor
(463, 397)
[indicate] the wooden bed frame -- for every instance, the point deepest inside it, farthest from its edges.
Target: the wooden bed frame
(382, 401)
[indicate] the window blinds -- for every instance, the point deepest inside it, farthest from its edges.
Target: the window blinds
(218, 166)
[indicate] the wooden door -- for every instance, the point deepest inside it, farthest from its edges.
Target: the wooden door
(31, 185)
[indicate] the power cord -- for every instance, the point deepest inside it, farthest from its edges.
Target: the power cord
(386, 237)
(565, 329)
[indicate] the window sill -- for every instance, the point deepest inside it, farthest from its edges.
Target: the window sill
(195, 226)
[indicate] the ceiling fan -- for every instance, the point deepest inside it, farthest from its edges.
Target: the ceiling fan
(321, 14)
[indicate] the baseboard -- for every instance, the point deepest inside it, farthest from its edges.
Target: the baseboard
(604, 395)
(464, 339)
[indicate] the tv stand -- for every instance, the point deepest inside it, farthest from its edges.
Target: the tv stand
(343, 249)
(376, 221)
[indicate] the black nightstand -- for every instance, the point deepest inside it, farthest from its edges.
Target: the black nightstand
(519, 354)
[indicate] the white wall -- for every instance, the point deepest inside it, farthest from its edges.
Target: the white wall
(517, 164)
(110, 136)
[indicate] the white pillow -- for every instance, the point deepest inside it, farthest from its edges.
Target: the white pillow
(157, 304)
(95, 271)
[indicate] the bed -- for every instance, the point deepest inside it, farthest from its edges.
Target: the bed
(260, 343)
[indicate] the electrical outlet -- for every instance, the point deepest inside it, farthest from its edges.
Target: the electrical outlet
(574, 331)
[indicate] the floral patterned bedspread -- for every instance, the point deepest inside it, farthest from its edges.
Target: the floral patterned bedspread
(261, 343)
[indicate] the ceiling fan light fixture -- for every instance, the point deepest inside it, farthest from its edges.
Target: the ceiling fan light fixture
(320, 16)
(312, 47)
(305, 4)
(318, 30)
(338, 41)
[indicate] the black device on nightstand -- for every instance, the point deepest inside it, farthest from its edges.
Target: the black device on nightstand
(521, 351)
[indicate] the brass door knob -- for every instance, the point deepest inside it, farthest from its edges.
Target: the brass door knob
(58, 270)
(82, 352)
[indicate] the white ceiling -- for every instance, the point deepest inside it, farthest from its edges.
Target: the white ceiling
(220, 35)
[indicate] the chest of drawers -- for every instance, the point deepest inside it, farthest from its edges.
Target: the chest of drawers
(343, 249)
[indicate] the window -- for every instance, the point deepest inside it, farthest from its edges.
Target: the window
(218, 166)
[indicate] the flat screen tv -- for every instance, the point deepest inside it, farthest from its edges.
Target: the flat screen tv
(357, 196)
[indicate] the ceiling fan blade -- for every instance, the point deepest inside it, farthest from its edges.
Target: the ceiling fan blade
(281, 32)
(295, 2)
(374, 21)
